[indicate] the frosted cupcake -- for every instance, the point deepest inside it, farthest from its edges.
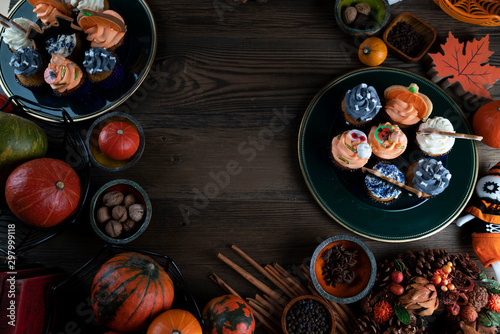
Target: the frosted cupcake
(361, 104)
(406, 106)
(434, 144)
(104, 29)
(48, 10)
(95, 5)
(17, 39)
(428, 176)
(29, 66)
(350, 150)
(380, 190)
(387, 141)
(66, 45)
(66, 79)
(103, 68)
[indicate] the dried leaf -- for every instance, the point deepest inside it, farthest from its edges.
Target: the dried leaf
(467, 66)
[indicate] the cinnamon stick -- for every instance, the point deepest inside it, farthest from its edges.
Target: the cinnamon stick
(268, 306)
(223, 285)
(449, 134)
(396, 183)
(284, 286)
(259, 308)
(264, 288)
(274, 303)
(292, 280)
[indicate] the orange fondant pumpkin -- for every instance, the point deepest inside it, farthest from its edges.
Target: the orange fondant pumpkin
(412, 96)
(175, 322)
(486, 123)
(372, 51)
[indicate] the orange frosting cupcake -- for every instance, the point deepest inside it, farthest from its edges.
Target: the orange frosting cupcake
(350, 150)
(402, 112)
(47, 10)
(406, 105)
(387, 141)
(104, 30)
(63, 75)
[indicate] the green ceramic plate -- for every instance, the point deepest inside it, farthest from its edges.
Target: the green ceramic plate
(140, 52)
(342, 194)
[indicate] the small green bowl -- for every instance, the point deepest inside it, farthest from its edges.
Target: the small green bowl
(126, 187)
(378, 18)
(92, 141)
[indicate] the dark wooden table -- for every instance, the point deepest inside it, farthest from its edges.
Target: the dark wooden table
(224, 70)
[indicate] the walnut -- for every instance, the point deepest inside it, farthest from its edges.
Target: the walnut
(468, 313)
(136, 212)
(349, 15)
(112, 198)
(114, 228)
(363, 8)
(129, 225)
(119, 213)
(103, 215)
(129, 200)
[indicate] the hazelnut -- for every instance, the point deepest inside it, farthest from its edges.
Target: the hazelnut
(349, 15)
(103, 215)
(136, 212)
(129, 225)
(129, 200)
(114, 228)
(363, 8)
(119, 213)
(112, 198)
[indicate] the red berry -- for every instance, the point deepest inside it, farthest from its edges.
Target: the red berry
(436, 279)
(446, 269)
(397, 276)
(397, 289)
(453, 309)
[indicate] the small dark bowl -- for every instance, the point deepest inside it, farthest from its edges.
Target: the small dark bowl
(92, 141)
(365, 271)
(126, 187)
(378, 18)
(427, 32)
(328, 308)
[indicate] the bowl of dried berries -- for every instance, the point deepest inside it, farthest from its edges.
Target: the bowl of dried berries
(308, 314)
(408, 37)
(362, 17)
(120, 211)
(343, 269)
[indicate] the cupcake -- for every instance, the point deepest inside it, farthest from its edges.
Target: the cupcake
(428, 176)
(29, 66)
(387, 141)
(103, 68)
(66, 79)
(381, 190)
(16, 38)
(95, 5)
(405, 106)
(350, 150)
(361, 104)
(104, 29)
(66, 45)
(47, 10)
(435, 145)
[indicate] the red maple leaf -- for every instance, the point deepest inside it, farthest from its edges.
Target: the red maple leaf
(469, 68)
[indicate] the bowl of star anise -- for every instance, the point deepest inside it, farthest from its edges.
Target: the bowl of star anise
(343, 269)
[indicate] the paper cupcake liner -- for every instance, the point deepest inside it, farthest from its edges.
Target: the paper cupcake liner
(351, 121)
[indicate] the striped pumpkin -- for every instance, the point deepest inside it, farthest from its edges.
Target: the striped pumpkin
(129, 290)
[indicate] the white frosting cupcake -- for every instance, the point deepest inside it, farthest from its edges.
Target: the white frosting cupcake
(95, 5)
(15, 39)
(434, 144)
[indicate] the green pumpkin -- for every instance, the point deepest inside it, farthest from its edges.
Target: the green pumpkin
(20, 140)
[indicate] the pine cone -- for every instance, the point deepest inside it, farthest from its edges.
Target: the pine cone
(395, 326)
(424, 263)
(373, 298)
(366, 325)
(478, 297)
(384, 270)
(467, 266)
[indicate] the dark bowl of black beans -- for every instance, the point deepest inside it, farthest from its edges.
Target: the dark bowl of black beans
(308, 314)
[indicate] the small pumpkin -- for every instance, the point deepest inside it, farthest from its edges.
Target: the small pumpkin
(410, 95)
(43, 192)
(129, 291)
(175, 322)
(372, 51)
(228, 314)
(119, 140)
(486, 123)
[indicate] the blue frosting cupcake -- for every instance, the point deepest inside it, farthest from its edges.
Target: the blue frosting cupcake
(28, 65)
(66, 45)
(429, 176)
(361, 104)
(380, 190)
(103, 68)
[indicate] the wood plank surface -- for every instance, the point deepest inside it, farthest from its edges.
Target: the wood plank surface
(225, 71)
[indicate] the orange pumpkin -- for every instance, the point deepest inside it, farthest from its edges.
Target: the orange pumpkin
(412, 96)
(486, 123)
(175, 322)
(372, 51)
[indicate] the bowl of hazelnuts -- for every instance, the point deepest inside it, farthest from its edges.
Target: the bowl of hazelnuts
(120, 211)
(362, 17)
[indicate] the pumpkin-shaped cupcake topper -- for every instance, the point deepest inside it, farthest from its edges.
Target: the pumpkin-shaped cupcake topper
(412, 96)
(47, 10)
(89, 18)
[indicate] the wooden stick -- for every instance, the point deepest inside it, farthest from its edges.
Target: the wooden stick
(261, 270)
(449, 134)
(292, 280)
(259, 307)
(396, 183)
(223, 285)
(274, 303)
(11, 24)
(264, 288)
(269, 307)
(270, 328)
(287, 289)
